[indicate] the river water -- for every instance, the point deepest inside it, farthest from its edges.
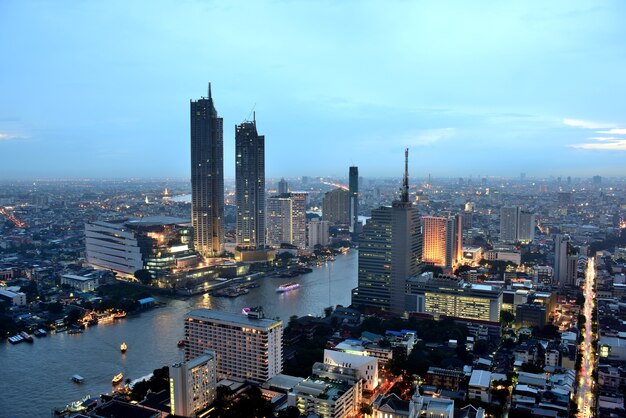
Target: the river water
(36, 377)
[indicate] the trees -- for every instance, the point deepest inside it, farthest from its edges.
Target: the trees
(506, 318)
(144, 276)
(289, 412)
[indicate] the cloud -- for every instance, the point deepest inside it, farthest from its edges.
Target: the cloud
(578, 123)
(604, 143)
(428, 136)
(605, 138)
(8, 136)
(615, 131)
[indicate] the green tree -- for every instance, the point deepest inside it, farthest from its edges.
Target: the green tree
(73, 316)
(506, 318)
(289, 412)
(144, 276)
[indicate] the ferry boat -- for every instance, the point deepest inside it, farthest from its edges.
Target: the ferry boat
(26, 336)
(123, 348)
(287, 287)
(119, 315)
(78, 379)
(117, 378)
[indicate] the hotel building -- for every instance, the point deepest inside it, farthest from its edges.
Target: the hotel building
(192, 385)
(247, 347)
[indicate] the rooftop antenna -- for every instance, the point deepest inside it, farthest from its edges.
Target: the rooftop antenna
(253, 114)
(405, 181)
(210, 90)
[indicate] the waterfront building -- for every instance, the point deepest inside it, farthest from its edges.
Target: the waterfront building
(286, 219)
(319, 233)
(250, 185)
(336, 207)
(207, 177)
(248, 347)
(443, 239)
(353, 188)
(192, 385)
(389, 253)
(452, 297)
(157, 244)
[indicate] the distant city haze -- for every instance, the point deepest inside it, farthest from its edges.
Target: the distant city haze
(102, 89)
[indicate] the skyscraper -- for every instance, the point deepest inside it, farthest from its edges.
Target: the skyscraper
(508, 223)
(250, 185)
(353, 188)
(286, 219)
(564, 262)
(389, 253)
(336, 207)
(525, 226)
(441, 241)
(283, 187)
(207, 177)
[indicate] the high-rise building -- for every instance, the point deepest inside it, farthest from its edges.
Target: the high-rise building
(389, 253)
(246, 347)
(192, 385)
(250, 185)
(207, 177)
(525, 227)
(298, 218)
(508, 223)
(336, 207)
(443, 240)
(319, 233)
(286, 219)
(283, 187)
(353, 188)
(562, 254)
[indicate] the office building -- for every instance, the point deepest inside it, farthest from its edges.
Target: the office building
(452, 297)
(157, 243)
(330, 392)
(389, 253)
(286, 219)
(283, 186)
(250, 186)
(248, 347)
(82, 283)
(319, 233)
(443, 240)
(207, 177)
(508, 223)
(336, 207)
(192, 385)
(353, 188)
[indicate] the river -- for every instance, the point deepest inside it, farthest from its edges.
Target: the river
(36, 377)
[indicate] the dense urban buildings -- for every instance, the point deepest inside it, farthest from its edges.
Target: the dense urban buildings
(207, 177)
(247, 347)
(250, 185)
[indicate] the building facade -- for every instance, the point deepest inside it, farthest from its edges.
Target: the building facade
(250, 185)
(246, 346)
(508, 223)
(286, 219)
(192, 385)
(353, 189)
(390, 250)
(336, 207)
(207, 177)
(443, 240)
(319, 233)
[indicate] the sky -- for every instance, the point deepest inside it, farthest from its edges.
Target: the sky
(101, 89)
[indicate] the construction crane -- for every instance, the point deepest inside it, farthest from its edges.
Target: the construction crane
(10, 217)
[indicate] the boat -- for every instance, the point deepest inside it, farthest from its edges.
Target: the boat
(40, 332)
(75, 331)
(117, 378)
(16, 339)
(27, 337)
(286, 287)
(119, 315)
(123, 348)
(78, 378)
(181, 343)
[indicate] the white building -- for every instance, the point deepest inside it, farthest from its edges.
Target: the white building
(478, 387)
(286, 219)
(82, 283)
(192, 385)
(392, 406)
(329, 398)
(366, 367)
(248, 347)
(15, 298)
(512, 256)
(319, 233)
(112, 246)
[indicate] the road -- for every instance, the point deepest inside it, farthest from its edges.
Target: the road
(585, 385)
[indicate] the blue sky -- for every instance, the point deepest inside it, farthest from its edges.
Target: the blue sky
(102, 88)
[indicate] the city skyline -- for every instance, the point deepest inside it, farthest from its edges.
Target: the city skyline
(543, 97)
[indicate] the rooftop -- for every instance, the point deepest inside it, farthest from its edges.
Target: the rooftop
(236, 318)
